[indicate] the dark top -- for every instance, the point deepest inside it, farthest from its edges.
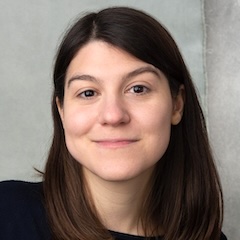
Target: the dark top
(23, 217)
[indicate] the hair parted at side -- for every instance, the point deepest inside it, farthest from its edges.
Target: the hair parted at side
(185, 198)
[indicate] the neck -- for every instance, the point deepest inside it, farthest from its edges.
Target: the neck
(119, 203)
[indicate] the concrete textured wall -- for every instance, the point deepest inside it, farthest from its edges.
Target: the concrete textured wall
(30, 32)
(223, 81)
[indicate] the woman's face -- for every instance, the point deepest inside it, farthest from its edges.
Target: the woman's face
(117, 113)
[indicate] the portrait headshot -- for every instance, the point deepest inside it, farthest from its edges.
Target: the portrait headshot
(119, 120)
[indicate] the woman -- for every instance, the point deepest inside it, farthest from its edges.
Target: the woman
(130, 157)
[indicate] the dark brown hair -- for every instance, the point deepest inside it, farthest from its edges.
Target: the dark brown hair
(185, 197)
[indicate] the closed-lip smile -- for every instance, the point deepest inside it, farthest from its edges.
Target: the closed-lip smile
(115, 143)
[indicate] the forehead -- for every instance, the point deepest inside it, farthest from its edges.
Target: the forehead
(99, 61)
(99, 55)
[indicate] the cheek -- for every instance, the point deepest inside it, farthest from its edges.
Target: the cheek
(158, 117)
(157, 122)
(76, 126)
(76, 122)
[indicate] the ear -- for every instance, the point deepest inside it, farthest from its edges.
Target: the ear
(60, 109)
(178, 106)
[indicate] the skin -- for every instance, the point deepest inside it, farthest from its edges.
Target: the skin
(117, 115)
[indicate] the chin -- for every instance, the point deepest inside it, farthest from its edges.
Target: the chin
(126, 176)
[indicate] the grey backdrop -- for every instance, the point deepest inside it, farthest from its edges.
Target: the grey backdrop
(207, 33)
(223, 88)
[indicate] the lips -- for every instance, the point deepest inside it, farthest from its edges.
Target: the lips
(115, 143)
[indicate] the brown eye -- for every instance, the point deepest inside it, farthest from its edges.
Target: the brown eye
(87, 94)
(138, 89)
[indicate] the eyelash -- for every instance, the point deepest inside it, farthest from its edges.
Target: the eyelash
(136, 89)
(85, 93)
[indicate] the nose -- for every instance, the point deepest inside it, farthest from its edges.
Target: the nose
(114, 112)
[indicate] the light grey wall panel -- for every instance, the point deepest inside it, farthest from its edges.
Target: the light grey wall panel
(223, 71)
(30, 32)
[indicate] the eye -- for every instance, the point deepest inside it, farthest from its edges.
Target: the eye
(139, 89)
(87, 94)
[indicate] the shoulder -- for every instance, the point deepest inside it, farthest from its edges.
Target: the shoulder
(22, 210)
(223, 237)
(18, 196)
(20, 189)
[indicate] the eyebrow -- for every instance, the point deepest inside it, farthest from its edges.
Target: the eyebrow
(129, 75)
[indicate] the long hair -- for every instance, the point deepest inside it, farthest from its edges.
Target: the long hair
(185, 198)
